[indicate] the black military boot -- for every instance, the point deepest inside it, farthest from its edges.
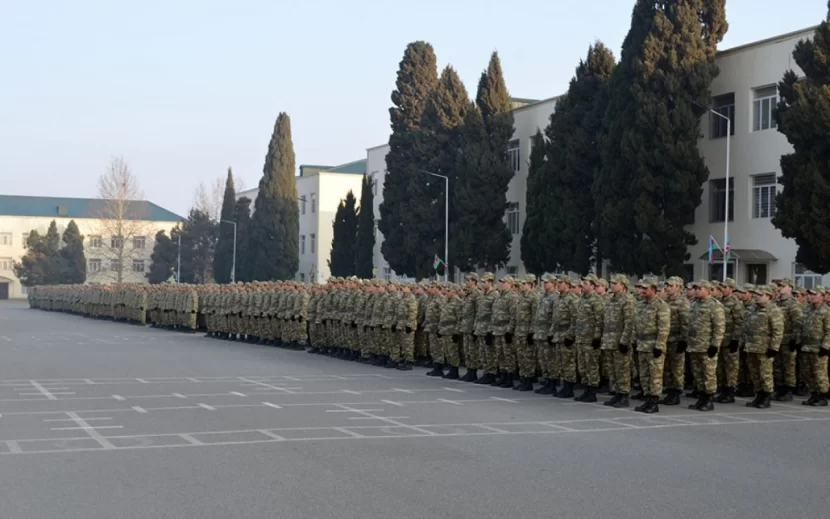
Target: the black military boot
(567, 390)
(507, 381)
(822, 400)
(764, 402)
(497, 382)
(452, 374)
(745, 391)
(785, 394)
(701, 398)
(639, 396)
(814, 396)
(652, 405)
(642, 407)
(546, 389)
(623, 402)
(671, 398)
(313, 350)
(524, 385)
(708, 402)
(470, 376)
(589, 396)
(755, 400)
(437, 370)
(391, 364)
(486, 379)
(727, 396)
(405, 366)
(614, 399)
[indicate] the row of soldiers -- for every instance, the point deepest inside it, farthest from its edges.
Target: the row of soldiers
(514, 331)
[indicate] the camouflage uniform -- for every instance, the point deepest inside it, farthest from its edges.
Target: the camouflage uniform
(763, 334)
(484, 330)
(542, 337)
(589, 339)
(563, 330)
(729, 364)
(675, 362)
(504, 327)
(449, 330)
(407, 321)
(706, 329)
(431, 320)
(526, 306)
(619, 318)
(784, 366)
(653, 328)
(815, 348)
(468, 322)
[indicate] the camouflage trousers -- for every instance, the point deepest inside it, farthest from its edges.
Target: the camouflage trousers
(728, 367)
(506, 353)
(526, 355)
(619, 375)
(606, 365)
(421, 349)
(406, 342)
(471, 350)
(651, 373)
(489, 354)
(588, 364)
(566, 356)
(674, 368)
(436, 349)
(817, 380)
(704, 371)
(784, 366)
(451, 350)
(548, 358)
(760, 371)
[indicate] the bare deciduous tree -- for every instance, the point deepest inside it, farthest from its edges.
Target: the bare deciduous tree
(123, 216)
(208, 198)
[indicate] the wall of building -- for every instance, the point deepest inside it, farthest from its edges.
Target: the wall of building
(14, 229)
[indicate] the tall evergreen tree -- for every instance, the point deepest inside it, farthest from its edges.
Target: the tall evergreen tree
(364, 253)
(538, 199)
(52, 240)
(344, 242)
(223, 259)
(573, 160)
(802, 209)
(33, 269)
(403, 189)
(163, 259)
(71, 255)
(276, 222)
(198, 233)
(653, 173)
(244, 258)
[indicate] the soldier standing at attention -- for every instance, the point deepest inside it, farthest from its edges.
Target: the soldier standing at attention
(468, 323)
(675, 361)
(525, 349)
(407, 322)
(617, 334)
(589, 337)
(763, 333)
(484, 329)
(449, 328)
(563, 335)
(652, 335)
(785, 363)
(815, 347)
(730, 362)
(431, 321)
(542, 337)
(706, 329)
(503, 325)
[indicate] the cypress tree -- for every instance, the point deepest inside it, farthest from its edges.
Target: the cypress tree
(52, 240)
(163, 259)
(345, 237)
(652, 175)
(803, 116)
(33, 267)
(242, 217)
(223, 259)
(275, 232)
(198, 245)
(573, 160)
(72, 258)
(403, 187)
(365, 242)
(538, 198)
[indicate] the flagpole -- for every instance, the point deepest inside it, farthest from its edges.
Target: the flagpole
(726, 215)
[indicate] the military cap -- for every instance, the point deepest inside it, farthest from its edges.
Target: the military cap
(507, 279)
(590, 277)
(549, 278)
(786, 282)
(763, 290)
(570, 281)
(648, 281)
(602, 282)
(707, 285)
(728, 282)
(471, 276)
(799, 291)
(674, 281)
(621, 278)
(488, 276)
(529, 278)
(817, 290)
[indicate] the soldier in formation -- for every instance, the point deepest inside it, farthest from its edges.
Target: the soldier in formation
(729, 340)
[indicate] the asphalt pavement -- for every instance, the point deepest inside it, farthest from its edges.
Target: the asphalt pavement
(109, 420)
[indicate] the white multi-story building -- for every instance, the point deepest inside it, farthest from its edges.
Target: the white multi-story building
(19, 215)
(320, 190)
(745, 90)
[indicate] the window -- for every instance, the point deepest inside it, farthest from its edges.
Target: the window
(763, 108)
(117, 242)
(806, 278)
(139, 242)
(302, 205)
(302, 277)
(688, 272)
(374, 180)
(6, 263)
(93, 265)
(763, 196)
(6, 238)
(513, 217)
(387, 273)
(313, 204)
(24, 239)
(115, 265)
(716, 271)
(24, 290)
(312, 237)
(717, 199)
(756, 274)
(138, 265)
(95, 242)
(725, 106)
(302, 244)
(512, 271)
(514, 155)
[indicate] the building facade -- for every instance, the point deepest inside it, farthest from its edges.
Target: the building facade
(746, 92)
(107, 253)
(319, 192)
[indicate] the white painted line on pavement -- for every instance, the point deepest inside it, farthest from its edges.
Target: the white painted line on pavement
(392, 402)
(399, 390)
(494, 429)
(119, 397)
(142, 381)
(237, 393)
(353, 410)
(89, 381)
(448, 401)
(179, 395)
(269, 434)
(263, 384)
(193, 379)
(140, 409)
(349, 391)
(504, 400)
(269, 404)
(205, 406)
(378, 418)
(350, 433)
(191, 439)
(71, 420)
(63, 393)
(453, 389)
(14, 447)
(45, 392)
(87, 428)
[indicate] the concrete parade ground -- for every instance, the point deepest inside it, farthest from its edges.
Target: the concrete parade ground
(114, 421)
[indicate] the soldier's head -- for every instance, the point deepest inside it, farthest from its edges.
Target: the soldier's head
(506, 283)
(550, 282)
(649, 287)
(487, 280)
(673, 285)
(471, 280)
(601, 286)
(727, 287)
(763, 294)
(703, 289)
(691, 290)
(619, 283)
(527, 285)
(785, 287)
(529, 279)
(815, 296)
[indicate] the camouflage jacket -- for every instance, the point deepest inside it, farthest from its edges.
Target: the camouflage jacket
(589, 318)
(792, 319)
(706, 325)
(484, 312)
(503, 320)
(680, 310)
(526, 312)
(815, 332)
(544, 316)
(563, 319)
(618, 320)
(764, 328)
(653, 325)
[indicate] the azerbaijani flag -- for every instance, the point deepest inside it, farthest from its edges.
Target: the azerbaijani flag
(436, 262)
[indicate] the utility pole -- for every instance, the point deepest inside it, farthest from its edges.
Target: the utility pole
(233, 262)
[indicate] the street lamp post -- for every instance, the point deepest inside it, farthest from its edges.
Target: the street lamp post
(179, 261)
(233, 262)
(446, 220)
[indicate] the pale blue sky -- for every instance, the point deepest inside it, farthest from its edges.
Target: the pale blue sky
(185, 88)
